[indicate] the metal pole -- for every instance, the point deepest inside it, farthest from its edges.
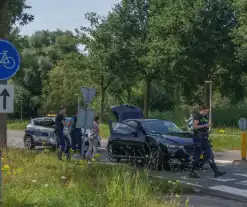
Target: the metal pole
(3, 139)
(84, 133)
(78, 103)
(4, 31)
(21, 111)
(210, 105)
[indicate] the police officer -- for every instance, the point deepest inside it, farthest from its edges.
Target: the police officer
(75, 134)
(201, 131)
(59, 127)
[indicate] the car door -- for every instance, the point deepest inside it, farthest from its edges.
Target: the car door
(43, 131)
(126, 140)
(138, 141)
(121, 133)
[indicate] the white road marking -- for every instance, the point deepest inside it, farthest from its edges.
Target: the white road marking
(193, 184)
(223, 161)
(244, 175)
(222, 180)
(231, 190)
(242, 182)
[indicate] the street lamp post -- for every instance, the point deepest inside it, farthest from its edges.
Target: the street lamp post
(21, 111)
(210, 102)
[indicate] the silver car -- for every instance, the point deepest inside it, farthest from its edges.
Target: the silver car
(41, 132)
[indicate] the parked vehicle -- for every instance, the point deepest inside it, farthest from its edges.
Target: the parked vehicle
(41, 132)
(157, 143)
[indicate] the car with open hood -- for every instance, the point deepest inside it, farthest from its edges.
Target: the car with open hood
(160, 144)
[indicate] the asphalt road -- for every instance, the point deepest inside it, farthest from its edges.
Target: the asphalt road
(231, 186)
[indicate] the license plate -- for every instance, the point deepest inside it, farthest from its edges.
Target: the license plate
(201, 157)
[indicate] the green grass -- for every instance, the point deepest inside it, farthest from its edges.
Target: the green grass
(17, 124)
(32, 178)
(226, 139)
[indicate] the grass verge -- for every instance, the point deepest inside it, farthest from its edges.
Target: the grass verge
(31, 178)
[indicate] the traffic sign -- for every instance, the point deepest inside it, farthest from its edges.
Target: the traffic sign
(242, 124)
(88, 94)
(6, 98)
(9, 60)
(85, 118)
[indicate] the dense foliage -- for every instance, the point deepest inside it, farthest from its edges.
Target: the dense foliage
(156, 54)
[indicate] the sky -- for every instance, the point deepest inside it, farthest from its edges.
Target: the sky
(63, 14)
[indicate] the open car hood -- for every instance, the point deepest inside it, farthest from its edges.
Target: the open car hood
(125, 111)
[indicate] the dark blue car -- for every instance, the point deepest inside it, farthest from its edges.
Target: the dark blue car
(160, 144)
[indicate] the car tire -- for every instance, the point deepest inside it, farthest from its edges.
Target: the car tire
(155, 160)
(28, 143)
(110, 156)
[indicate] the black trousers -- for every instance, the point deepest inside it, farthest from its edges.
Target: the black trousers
(201, 143)
(76, 139)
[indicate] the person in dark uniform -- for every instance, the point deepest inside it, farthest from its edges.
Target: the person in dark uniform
(75, 134)
(59, 126)
(201, 132)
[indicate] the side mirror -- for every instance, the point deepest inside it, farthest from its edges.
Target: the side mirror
(134, 133)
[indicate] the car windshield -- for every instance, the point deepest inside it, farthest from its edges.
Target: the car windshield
(161, 127)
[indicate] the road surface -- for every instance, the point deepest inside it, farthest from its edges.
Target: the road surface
(232, 186)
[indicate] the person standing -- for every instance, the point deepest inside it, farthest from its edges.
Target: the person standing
(201, 132)
(59, 130)
(75, 134)
(93, 139)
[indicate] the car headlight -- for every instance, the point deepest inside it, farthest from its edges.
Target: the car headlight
(172, 146)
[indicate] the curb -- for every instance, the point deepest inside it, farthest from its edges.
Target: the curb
(223, 161)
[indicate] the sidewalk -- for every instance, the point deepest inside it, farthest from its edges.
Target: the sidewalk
(227, 157)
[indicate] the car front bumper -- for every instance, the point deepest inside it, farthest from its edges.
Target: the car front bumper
(183, 155)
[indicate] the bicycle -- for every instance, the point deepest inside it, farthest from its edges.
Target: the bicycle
(8, 62)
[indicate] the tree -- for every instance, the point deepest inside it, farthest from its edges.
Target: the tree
(40, 53)
(193, 38)
(64, 82)
(9, 13)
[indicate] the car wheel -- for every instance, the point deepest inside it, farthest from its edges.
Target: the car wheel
(155, 160)
(110, 154)
(28, 143)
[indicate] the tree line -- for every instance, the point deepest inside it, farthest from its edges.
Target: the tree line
(156, 54)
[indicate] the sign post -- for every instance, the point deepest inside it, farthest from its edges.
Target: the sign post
(242, 123)
(9, 65)
(88, 96)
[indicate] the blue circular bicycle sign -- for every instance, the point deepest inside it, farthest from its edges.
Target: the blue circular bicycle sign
(9, 60)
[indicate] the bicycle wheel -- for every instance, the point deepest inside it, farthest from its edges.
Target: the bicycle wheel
(9, 63)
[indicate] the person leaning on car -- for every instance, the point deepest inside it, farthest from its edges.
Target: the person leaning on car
(59, 126)
(201, 132)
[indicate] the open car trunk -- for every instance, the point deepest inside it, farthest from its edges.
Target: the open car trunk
(123, 112)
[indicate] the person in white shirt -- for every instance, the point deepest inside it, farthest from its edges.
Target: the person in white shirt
(93, 139)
